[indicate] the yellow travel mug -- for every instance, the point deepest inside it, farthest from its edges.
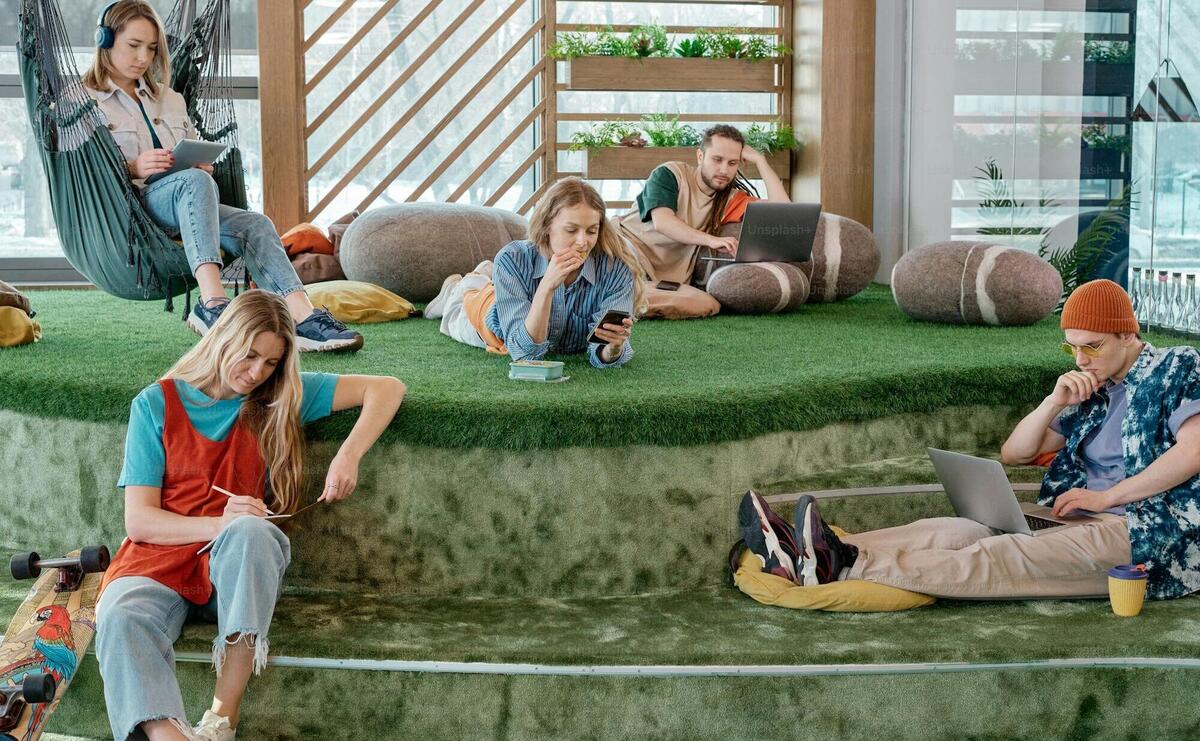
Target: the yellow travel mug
(1127, 589)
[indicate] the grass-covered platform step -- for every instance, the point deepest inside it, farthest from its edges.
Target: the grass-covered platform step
(929, 673)
(725, 378)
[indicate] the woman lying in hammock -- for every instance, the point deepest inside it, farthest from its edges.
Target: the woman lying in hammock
(547, 293)
(227, 415)
(147, 119)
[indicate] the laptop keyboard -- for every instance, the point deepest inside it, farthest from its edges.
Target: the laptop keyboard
(1038, 523)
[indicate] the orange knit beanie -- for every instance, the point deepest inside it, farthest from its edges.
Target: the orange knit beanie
(1099, 306)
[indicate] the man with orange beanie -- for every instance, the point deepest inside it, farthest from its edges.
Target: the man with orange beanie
(1126, 428)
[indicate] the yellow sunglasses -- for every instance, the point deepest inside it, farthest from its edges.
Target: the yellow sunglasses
(1088, 350)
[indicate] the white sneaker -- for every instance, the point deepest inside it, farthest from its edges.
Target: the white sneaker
(185, 730)
(484, 268)
(213, 727)
(435, 308)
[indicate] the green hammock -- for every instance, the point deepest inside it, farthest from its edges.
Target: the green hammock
(105, 232)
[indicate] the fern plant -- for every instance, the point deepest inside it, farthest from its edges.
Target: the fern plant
(778, 137)
(606, 134)
(1077, 263)
(666, 131)
(1074, 264)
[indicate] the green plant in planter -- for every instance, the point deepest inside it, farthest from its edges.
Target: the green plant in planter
(779, 137)
(690, 48)
(1096, 136)
(571, 45)
(650, 41)
(667, 131)
(609, 44)
(1109, 52)
(606, 134)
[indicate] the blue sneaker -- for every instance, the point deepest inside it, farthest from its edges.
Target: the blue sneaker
(320, 332)
(205, 314)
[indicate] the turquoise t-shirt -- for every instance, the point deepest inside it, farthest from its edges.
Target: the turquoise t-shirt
(145, 456)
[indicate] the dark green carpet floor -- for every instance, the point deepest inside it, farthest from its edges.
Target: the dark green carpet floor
(704, 626)
(704, 381)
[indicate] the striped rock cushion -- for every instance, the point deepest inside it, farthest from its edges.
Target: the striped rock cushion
(759, 287)
(975, 283)
(844, 261)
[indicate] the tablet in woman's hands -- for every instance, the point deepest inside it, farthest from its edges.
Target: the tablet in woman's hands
(191, 152)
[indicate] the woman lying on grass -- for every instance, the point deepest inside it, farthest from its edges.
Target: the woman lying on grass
(226, 418)
(547, 293)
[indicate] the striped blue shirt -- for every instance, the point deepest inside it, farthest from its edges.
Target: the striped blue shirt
(604, 283)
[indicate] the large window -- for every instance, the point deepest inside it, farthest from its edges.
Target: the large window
(27, 227)
(1039, 100)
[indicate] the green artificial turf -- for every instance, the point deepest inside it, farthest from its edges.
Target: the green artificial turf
(1076, 704)
(725, 378)
(703, 626)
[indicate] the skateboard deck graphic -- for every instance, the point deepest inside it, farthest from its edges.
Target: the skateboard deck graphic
(47, 637)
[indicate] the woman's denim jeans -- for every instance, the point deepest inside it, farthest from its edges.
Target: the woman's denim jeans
(139, 619)
(186, 205)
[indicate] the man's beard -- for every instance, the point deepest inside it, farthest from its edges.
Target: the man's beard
(717, 190)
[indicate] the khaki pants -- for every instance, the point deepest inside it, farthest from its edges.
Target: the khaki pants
(688, 302)
(961, 559)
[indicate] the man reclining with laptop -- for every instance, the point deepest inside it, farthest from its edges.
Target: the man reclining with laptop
(1128, 453)
(679, 214)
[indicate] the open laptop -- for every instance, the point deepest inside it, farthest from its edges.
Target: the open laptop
(776, 232)
(979, 490)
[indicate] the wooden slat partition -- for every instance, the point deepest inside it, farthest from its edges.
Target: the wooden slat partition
(848, 109)
(352, 42)
(395, 128)
(285, 91)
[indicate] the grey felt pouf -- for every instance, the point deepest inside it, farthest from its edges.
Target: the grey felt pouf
(411, 248)
(759, 287)
(844, 262)
(975, 283)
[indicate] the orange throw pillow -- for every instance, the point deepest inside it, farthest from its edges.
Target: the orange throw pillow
(304, 238)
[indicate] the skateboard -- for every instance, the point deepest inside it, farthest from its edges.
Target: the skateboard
(47, 637)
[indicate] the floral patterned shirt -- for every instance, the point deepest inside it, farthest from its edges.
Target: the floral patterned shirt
(1164, 530)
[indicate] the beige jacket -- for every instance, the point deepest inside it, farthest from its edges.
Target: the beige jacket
(168, 113)
(660, 256)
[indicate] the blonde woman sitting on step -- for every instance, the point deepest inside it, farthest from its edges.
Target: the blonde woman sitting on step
(214, 448)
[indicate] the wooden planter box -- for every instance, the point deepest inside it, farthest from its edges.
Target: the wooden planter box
(671, 74)
(635, 163)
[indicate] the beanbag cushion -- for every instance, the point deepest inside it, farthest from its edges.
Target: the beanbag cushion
(841, 596)
(759, 287)
(337, 230)
(304, 238)
(844, 261)
(411, 248)
(353, 302)
(975, 283)
(312, 267)
(17, 328)
(10, 296)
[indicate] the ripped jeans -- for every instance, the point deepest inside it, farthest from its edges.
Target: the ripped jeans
(139, 620)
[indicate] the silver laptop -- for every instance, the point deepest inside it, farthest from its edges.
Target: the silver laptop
(776, 232)
(979, 490)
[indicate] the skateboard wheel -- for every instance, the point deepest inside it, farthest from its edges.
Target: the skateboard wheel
(39, 688)
(24, 565)
(94, 559)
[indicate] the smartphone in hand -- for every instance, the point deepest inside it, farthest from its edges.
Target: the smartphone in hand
(612, 316)
(667, 285)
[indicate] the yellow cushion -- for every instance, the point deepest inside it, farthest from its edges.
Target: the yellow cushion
(16, 328)
(355, 302)
(839, 596)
